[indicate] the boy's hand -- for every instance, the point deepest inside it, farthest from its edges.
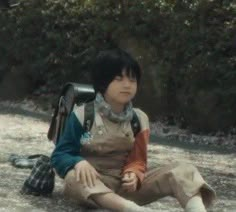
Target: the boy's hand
(86, 173)
(129, 182)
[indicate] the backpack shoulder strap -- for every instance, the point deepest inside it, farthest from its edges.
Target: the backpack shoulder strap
(135, 124)
(88, 116)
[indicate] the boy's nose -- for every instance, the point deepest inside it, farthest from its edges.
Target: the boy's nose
(126, 82)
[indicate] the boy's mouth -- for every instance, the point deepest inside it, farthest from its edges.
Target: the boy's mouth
(125, 92)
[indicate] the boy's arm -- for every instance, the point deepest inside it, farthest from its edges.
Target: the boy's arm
(67, 151)
(137, 158)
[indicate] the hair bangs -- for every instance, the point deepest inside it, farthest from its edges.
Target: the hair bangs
(112, 63)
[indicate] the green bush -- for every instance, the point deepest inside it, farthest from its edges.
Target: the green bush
(186, 50)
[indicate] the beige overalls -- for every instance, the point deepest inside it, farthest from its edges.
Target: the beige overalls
(107, 153)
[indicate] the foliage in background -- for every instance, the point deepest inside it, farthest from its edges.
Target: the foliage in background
(187, 50)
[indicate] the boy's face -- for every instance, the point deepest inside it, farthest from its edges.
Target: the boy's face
(121, 90)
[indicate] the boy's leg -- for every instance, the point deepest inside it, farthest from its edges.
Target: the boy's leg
(179, 180)
(98, 196)
(115, 202)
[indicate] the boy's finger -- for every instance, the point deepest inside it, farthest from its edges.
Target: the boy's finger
(129, 176)
(132, 175)
(89, 179)
(127, 180)
(83, 177)
(126, 175)
(128, 184)
(93, 177)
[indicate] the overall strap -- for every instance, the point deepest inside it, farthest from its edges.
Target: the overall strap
(135, 124)
(88, 116)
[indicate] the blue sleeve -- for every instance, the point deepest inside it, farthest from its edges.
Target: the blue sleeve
(67, 151)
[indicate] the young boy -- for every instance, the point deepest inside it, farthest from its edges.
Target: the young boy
(107, 167)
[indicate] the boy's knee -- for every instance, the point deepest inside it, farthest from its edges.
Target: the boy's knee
(186, 181)
(185, 171)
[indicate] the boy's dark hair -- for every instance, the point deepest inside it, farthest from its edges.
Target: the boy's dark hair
(111, 63)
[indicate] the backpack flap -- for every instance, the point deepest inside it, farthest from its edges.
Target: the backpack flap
(76, 93)
(83, 93)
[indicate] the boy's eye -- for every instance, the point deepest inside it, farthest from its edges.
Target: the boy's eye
(132, 79)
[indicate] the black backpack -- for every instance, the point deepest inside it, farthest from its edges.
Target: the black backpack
(75, 93)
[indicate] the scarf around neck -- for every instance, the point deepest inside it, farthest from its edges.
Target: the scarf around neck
(103, 107)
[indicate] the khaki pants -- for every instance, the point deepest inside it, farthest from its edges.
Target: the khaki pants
(179, 180)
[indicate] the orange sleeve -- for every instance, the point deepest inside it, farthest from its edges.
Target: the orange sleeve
(137, 159)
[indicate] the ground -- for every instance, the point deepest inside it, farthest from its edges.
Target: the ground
(23, 131)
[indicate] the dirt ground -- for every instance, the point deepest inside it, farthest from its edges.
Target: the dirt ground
(23, 131)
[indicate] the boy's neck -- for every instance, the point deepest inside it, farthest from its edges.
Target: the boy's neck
(117, 108)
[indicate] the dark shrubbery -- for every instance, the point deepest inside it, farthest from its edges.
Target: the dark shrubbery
(187, 50)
